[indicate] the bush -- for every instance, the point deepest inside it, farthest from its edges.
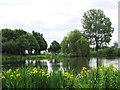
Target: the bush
(118, 54)
(93, 53)
(109, 51)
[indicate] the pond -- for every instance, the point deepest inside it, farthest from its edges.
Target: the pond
(66, 64)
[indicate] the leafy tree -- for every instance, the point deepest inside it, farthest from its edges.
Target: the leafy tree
(4, 39)
(82, 46)
(23, 44)
(8, 34)
(18, 33)
(75, 45)
(116, 44)
(12, 34)
(97, 27)
(54, 47)
(22, 40)
(73, 37)
(33, 44)
(41, 41)
(65, 45)
(10, 47)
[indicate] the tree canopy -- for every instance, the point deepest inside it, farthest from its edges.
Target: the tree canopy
(17, 41)
(41, 41)
(97, 28)
(54, 47)
(74, 44)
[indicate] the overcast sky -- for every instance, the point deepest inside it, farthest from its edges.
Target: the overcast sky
(54, 18)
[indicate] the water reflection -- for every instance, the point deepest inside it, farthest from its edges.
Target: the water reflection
(50, 64)
(65, 64)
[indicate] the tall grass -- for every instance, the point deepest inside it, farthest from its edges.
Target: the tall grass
(35, 77)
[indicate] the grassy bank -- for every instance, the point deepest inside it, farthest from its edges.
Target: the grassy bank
(35, 77)
(12, 58)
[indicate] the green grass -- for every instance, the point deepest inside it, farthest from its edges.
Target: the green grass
(48, 56)
(35, 77)
(14, 58)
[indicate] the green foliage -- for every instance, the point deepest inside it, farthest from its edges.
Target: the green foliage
(75, 44)
(41, 41)
(23, 44)
(65, 46)
(93, 53)
(108, 51)
(35, 77)
(17, 41)
(73, 37)
(10, 47)
(118, 52)
(82, 47)
(33, 44)
(97, 28)
(12, 34)
(54, 47)
(103, 77)
(115, 44)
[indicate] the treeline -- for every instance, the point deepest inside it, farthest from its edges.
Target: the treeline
(74, 44)
(97, 31)
(107, 51)
(17, 41)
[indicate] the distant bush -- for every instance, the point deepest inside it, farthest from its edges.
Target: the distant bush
(93, 53)
(109, 51)
(118, 54)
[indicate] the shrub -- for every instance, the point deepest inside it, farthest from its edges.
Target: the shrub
(118, 54)
(93, 53)
(110, 51)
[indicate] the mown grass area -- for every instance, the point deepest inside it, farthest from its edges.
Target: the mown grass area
(48, 56)
(36, 77)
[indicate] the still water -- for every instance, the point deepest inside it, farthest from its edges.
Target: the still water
(64, 64)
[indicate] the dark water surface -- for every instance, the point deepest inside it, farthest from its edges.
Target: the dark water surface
(66, 64)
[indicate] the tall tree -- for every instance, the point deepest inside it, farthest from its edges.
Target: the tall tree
(73, 37)
(75, 45)
(54, 47)
(65, 45)
(97, 27)
(10, 47)
(41, 41)
(82, 46)
(23, 44)
(8, 34)
(33, 44)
